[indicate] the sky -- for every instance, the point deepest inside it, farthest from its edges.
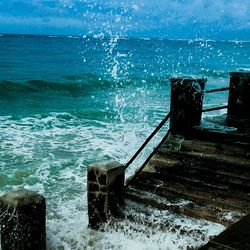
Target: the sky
(172, 19)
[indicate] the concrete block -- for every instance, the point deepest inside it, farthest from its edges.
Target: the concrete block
(239, 100)
(186, 102)
(22, 221)
(105, 192)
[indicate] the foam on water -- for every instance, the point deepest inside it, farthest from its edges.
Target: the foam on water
(156, 229)
(49, 155)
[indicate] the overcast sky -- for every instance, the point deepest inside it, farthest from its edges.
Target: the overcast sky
(182, 19)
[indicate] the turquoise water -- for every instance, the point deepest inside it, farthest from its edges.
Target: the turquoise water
(67, 102)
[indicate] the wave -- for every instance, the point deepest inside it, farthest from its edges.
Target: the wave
(209, 73)
(13, 89)
(74, 86)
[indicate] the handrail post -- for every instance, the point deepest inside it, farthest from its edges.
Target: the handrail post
(186, 102)
(22, 220)
(238, 113)
(105, 192)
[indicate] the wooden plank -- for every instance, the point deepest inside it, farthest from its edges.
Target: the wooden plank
(195, 145)
(227, 199)
(230, 138)
(218, 158)
(191, 209)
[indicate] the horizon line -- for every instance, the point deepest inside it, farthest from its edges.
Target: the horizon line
(100, 35)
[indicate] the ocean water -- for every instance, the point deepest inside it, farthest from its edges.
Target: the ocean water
(68, 102)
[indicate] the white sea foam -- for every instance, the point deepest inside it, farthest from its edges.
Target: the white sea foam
(156, 229)
(244, 69)
(49, 154)
(55, 152)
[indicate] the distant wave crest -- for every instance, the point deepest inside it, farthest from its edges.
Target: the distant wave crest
(73, 86)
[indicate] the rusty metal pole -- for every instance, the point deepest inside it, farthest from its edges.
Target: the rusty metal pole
(186, 102)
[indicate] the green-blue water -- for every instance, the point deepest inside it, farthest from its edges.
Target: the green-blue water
(67, 102)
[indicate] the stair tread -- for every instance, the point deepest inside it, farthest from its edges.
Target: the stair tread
(220, 158)
(206, 193)
(185, 207)
(209, 182)
(219, 172)
(197, 145)
(195, 170)
(221, 135)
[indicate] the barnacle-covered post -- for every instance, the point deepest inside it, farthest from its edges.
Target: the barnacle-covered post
(186, 102)
(238, 113)
(105, 192)
(22, 221)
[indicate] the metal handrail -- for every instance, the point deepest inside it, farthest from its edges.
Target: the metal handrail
(215, 108)
(149, 138)
(213, 91)
(129, 181)
(217, 90)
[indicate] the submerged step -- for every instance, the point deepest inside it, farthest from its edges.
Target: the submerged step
(202, 193)
(197, 168)
(149, 226)
(184, 207)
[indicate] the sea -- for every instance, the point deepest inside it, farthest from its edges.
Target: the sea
(67, 102)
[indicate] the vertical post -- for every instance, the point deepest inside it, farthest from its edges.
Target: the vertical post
(22, 221)
(238, 113)
(105, 192)
(186, 102)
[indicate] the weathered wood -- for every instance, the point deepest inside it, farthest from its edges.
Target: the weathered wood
(203, 195)
(191, 209)
(22, 221)
(163, 162)
(230, 164)
(196, 145)
(237, 138)
(201, 168)
(236, 237)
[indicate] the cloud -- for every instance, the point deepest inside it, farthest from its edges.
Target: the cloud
(130, 17)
